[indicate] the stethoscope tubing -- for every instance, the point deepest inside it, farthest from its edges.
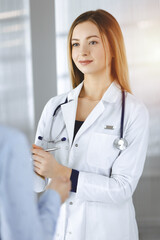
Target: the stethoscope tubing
(122, 114)
(55, 111)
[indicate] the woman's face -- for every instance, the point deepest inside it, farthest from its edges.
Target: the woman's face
(88, 51)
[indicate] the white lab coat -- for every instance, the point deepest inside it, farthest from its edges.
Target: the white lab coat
(102, 207)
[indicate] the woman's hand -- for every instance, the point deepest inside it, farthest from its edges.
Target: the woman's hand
(61, 185)
(46, 165)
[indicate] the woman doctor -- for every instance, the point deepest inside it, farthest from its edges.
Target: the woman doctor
(84, 126)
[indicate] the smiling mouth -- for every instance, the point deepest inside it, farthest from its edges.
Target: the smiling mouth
(86, 62)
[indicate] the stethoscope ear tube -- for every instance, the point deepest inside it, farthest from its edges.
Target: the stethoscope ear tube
(55, 111)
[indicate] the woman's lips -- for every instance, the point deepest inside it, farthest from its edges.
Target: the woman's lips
(86, 62)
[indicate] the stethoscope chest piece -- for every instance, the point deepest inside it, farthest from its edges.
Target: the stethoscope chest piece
(120, 143)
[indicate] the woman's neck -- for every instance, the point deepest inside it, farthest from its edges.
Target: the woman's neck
(94, 88)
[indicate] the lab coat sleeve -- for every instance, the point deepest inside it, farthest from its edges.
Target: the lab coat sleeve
(39, 183)
(43, 121)
(21, 218)
(127, 168)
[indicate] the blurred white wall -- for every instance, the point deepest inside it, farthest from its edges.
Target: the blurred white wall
(16, 96)
(27, 62)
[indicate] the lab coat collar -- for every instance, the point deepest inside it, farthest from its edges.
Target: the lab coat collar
(75, 92)
(110, 95)
(69, 109)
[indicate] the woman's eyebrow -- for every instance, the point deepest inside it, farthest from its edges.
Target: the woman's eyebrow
(76, 39)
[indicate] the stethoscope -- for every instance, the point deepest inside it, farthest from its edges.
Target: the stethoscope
(56, 140)
(119, 143)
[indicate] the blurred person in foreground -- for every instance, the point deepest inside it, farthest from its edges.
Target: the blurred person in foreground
(20, 216)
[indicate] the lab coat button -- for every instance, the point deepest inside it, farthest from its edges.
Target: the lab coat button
(70, 203)
(70, 232)
(76, 145)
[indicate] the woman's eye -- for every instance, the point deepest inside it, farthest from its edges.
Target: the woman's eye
(75, 44)
(93, 43)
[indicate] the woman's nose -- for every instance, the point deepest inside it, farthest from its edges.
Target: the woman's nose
(83, 54)
(84, 51)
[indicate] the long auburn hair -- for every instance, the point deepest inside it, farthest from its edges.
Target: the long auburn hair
(109, 27)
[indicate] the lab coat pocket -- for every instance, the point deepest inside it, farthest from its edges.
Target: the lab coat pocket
(101, 152)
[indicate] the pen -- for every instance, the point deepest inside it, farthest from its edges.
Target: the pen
(52, 149)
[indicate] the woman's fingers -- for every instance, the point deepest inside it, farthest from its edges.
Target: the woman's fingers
(37, 150)
(38, 158)
(44, 163)
(40, 152)
(37, 147)
(37, 164)
(34, 146)
(37, 170)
